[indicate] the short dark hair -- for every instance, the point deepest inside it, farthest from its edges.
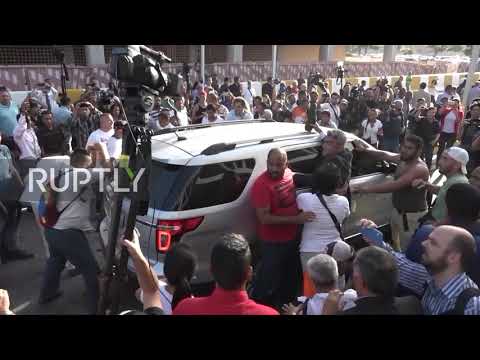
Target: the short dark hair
(334, 94)
(464, 243)
(65, 100)
(78, 156)
(230, 260)
(211, 107)
(423, 85)
(226, 79)
(4, 88)
(84, 105)
(415, 140)
(45, 112)
(378, 269)
(179, 267)
(463, 202)
(326, 178)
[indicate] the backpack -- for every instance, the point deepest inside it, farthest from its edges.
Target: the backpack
(47, 206)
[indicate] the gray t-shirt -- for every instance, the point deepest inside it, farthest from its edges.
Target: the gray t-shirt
(79, 209)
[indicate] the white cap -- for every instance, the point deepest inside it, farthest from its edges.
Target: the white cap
(460, 155)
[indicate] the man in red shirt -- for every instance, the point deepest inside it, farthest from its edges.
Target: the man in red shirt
(231, 268)
(273, 196)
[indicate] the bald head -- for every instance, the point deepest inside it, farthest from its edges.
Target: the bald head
(277, 152)
(276, 163)
(451, 240)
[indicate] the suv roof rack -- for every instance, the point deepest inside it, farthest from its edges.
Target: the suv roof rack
(203, 126)
(221, 147)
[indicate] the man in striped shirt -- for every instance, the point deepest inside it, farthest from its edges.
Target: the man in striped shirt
(441, 281)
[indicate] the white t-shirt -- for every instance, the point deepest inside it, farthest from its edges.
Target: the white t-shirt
(330, 108)
(371, 132)
(316, 235)
(114, 147)
(315, 304)
(99, 136)
(182, 117)
(248, 95)
(165, 297)
(218, 119)
(449, 124)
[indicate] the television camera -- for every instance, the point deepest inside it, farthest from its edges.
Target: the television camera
(137, 69)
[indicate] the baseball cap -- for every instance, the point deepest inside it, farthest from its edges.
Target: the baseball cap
(460, 155)
(340, 250)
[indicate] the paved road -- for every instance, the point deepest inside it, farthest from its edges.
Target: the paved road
(23, 279)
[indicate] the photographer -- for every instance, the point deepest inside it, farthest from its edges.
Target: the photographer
(86, 119)
(470, 136)
(428, 128)
(26, 139)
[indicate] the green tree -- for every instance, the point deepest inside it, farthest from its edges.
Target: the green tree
(438, 49)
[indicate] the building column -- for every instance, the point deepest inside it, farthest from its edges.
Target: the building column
(95, 55)
(193, 53)
(234, 53)
(388, 53)
(68, 51)
(332, 53)
(324, 53)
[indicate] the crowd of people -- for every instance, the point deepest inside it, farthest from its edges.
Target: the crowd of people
(430, 265)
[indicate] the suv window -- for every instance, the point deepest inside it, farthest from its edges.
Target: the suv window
(303, 160)
(179, 187)
(363, 164)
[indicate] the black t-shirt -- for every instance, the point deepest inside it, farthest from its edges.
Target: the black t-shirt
(267, 89)
(393, 124)
(427, 130)
(235, 89)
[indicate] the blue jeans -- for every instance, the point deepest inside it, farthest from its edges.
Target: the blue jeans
(71, 245)
(391, 144)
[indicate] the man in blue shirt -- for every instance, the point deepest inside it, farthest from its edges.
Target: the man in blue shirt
(441, 281)
(8, 113)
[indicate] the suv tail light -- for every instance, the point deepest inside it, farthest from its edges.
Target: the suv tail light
(169, 231)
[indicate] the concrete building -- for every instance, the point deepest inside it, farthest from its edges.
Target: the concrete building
(100, 54)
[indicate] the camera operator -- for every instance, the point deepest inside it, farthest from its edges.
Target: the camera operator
(415, 113)
(46, 94)
(470, 136)
(393, 125)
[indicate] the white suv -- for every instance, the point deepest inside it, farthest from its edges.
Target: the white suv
(201, 178)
